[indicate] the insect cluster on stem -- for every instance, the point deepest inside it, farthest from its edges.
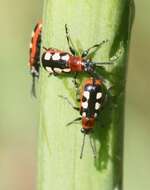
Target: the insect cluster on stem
(55, 61)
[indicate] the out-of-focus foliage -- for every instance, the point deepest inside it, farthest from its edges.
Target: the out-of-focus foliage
(137, 131)
(19, 112)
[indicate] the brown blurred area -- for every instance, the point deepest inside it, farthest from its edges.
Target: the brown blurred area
(19, 112)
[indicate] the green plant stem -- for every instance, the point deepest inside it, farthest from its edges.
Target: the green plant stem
(59, 163)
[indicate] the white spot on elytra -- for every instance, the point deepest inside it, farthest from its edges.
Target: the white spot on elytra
(57, 70)
(56, 56)
(84, 114)
(67, 70)
(65, 57)
(49, 69)
(48, 56)
(86, 94)
(97, 106)
(98, 95)
(85, 105)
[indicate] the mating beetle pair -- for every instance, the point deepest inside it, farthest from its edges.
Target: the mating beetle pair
(57, 61)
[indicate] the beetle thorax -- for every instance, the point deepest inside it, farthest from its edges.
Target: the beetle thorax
(76, 64)
(88, 123)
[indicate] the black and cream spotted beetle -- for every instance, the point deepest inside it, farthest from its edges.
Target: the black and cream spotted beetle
(57, 61)
(92, 99)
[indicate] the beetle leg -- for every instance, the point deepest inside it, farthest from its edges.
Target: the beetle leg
(96, 47)
(70, 43)
(77, 119)
(33, 90)
(55, 74)
(111, 60)
(95, 75)
(77, 85)
(68, 101)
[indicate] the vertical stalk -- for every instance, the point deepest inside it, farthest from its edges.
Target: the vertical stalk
(59, 163)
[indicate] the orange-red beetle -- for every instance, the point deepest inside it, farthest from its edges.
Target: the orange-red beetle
(34, 53)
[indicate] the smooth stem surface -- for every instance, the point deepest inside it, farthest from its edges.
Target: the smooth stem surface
(59, 163)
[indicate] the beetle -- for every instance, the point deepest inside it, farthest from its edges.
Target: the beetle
(57, 61)
(34, 54)
(92, 98)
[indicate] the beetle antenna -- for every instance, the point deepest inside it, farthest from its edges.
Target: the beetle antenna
(82, 148)
(93, 147)
(33, 91)
(45, 48)
(103, 63)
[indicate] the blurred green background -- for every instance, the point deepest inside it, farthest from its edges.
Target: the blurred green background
(19, 112)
